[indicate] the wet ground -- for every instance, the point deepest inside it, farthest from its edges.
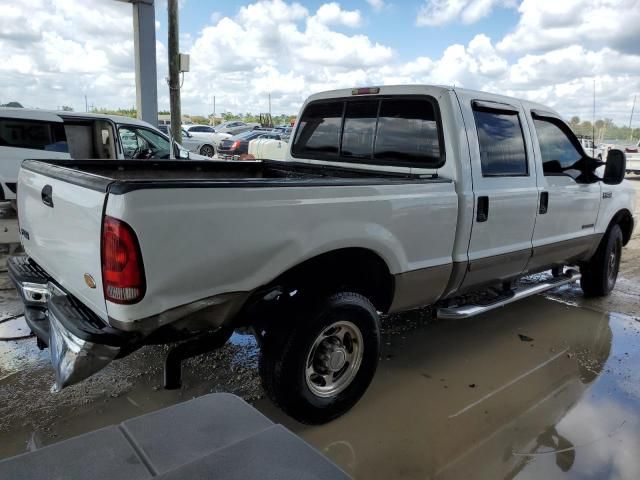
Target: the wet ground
(546, 388)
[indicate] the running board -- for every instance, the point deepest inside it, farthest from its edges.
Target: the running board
(471, 310)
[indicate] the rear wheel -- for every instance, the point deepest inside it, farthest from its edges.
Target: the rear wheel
(319, 362)
(207, 150)
(600, 273)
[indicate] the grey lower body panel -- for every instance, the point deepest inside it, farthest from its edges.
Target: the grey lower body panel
(562, 253)
(421, 287)
(206, 314)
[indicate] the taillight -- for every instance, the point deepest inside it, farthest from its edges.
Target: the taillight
(235, 145)
(122, 270)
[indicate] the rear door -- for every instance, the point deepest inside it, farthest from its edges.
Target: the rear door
(504, 189)
(565, 228)
(61, 225)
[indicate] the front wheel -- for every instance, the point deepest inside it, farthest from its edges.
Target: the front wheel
(600, 273)
(319, 362)
(207, 150)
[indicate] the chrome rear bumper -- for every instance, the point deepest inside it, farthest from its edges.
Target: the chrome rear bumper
(79, 341)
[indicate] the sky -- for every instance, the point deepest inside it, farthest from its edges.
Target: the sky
(57, 51)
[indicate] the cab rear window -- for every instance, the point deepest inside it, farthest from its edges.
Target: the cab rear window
(31, 134)
(402, 131)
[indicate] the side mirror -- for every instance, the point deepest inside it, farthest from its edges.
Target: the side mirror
(615, 168)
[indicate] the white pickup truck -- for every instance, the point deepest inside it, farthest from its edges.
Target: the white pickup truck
(390, 198)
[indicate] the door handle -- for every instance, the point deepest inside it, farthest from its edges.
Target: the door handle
(544, 203)
(47, 195)
(483, 209)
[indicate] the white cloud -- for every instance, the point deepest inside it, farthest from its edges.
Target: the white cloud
(333, 14)
(377, 5)
(440, 12)
(55, 51)
(549, 24)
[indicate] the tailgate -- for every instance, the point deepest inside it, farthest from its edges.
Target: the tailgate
(63, 235)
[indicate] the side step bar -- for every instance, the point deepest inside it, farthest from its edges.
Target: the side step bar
(471, 310)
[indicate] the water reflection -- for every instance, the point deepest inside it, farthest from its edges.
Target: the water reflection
(471, 399)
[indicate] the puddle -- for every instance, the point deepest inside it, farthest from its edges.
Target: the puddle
(539, 389)
(473, 399)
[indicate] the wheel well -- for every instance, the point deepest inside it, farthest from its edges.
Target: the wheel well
(625, 220)
(355, 269)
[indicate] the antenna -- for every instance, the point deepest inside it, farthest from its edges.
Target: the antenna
(593, 123)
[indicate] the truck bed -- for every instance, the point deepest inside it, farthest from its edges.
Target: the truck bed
(119, 177)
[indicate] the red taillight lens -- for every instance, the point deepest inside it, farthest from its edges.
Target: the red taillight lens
(122, 270)
(236, 145)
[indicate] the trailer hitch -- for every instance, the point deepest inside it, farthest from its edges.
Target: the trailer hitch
(191, 348)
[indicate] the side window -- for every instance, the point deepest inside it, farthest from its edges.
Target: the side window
(501, 141)
(319, 130)
(559, 153)
(408, 131)
(31, 134)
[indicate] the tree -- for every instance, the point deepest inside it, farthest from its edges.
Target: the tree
(12, 105)
(66, 108)
(575, 121)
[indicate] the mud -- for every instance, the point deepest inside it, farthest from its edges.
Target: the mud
(545, 388)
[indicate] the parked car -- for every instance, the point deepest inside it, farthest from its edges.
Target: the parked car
(389, 198)
(208, 135)
(30, 133)
(633, 158)
(235, 127)
(234, 147)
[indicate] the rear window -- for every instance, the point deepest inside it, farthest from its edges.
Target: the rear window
(18, 133)
(407, 130)
(390, 131)
(319, 131)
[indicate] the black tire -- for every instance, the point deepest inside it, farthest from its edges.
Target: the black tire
(207, 150)
(600, 273)
(287, 345)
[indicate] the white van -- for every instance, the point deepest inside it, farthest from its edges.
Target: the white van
(41, 134)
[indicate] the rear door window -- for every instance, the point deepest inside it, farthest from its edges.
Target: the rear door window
(31, 134)
(501, 142)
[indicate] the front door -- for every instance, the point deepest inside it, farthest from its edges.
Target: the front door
(505, 192)
(565, 227)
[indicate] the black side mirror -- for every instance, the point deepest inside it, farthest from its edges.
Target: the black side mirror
(615, 168)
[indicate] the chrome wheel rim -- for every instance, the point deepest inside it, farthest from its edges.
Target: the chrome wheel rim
(334, 359)
(207, 151)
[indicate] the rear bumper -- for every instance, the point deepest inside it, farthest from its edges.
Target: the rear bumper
(79, 341)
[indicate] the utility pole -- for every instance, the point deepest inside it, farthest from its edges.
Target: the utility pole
(86, 104)
(631, 118)
(269, 104)
(174, 71)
